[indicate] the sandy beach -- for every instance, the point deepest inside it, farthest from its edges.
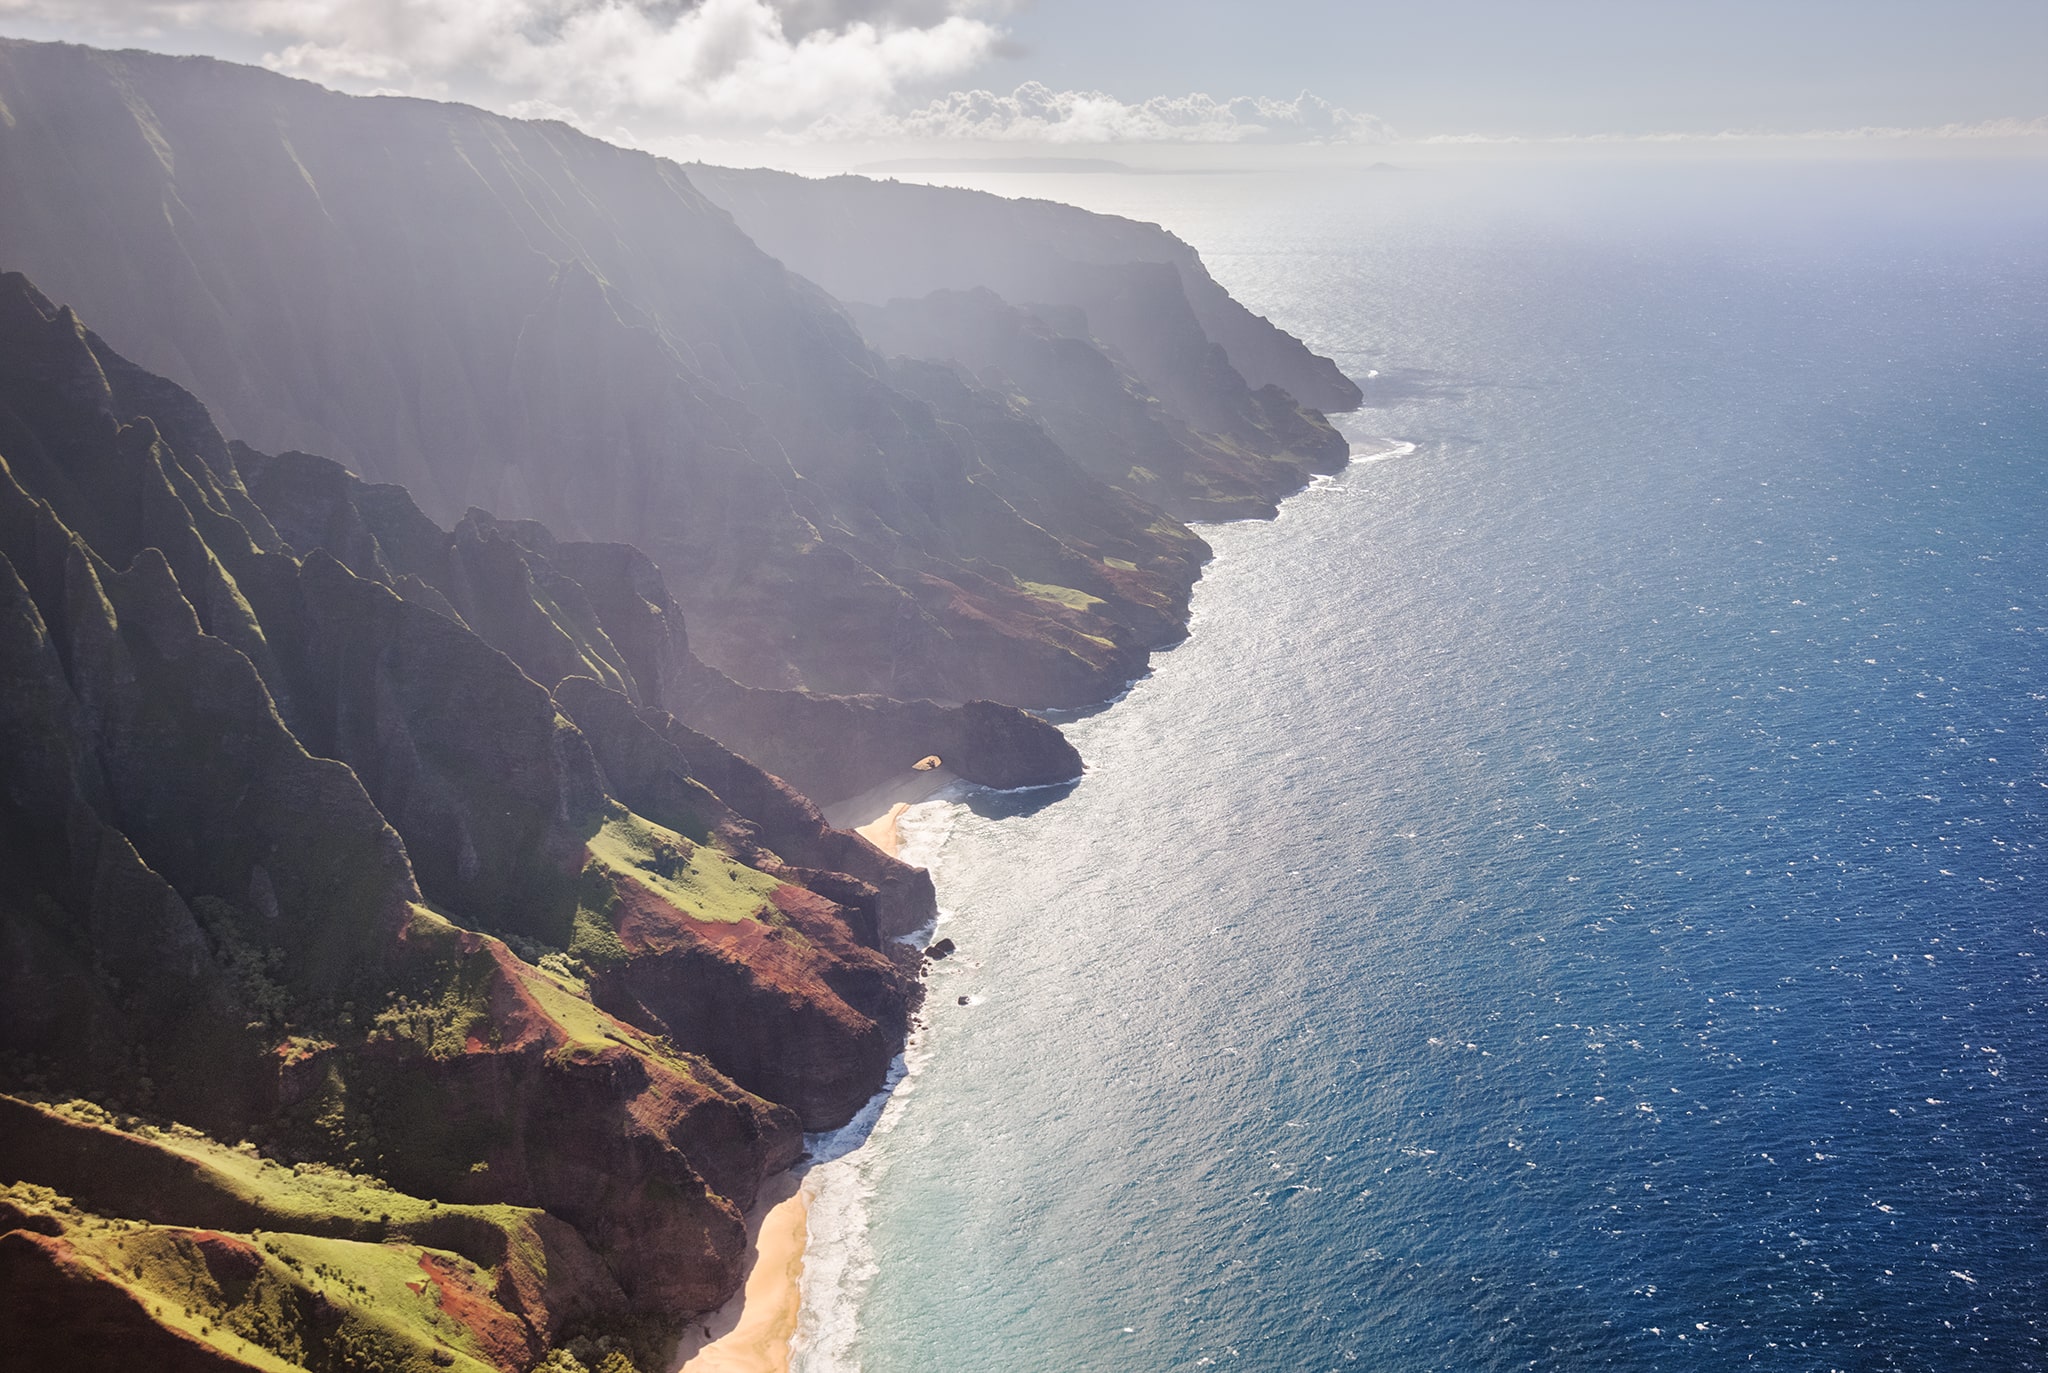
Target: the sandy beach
(873, 814)
(752, 1332)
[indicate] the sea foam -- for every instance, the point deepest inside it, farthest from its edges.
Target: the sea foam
(839, 1182)
(1379, 450)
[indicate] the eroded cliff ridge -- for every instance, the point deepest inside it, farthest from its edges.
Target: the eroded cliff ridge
(518, 317)
(311, 840)
(415, 945)
(878, 240)
(1112, 332)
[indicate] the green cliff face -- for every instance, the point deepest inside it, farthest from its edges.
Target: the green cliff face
(292, 854)
(515, 317)
(562, 609)
(415, 947)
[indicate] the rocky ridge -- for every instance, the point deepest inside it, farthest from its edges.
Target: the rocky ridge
(514, 316)
(1111, 332)
(294, 854)
(381, 815)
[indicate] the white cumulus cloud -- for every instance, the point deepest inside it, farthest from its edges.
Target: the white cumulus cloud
(653, 71)
(1035, 113)
(669, 64)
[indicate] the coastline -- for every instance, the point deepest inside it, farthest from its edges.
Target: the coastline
(755, 1331)
(829, 1313)
(874, 813)
(806, 997)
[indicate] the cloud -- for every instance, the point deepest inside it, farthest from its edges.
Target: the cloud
(1034, 113)
(706, 66)
(1971, 132)
(809, 16)
(641, 70)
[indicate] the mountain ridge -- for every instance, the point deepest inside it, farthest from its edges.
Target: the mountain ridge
(434, 946)
(407, 854)
(459, 302)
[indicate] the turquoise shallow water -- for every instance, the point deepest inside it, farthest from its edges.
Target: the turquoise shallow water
(1572, 902)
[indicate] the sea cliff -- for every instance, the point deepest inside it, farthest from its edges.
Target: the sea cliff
(441, 559)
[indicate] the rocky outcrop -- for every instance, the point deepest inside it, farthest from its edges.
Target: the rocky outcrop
(840, 746)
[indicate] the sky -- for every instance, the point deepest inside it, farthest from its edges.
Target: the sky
(839, 81)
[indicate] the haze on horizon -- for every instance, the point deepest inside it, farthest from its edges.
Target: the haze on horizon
(822, 84)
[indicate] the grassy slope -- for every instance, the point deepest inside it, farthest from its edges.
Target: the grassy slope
(277, 1267)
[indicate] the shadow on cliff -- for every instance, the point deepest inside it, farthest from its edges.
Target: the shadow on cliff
(1008, 805)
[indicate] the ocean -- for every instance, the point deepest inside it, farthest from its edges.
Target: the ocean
(1575, 899)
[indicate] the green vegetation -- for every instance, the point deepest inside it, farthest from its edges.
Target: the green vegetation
(701, 882)
(284, 1301)
(603, 1354)
(441, 1028)
(254, 1316)
(582, 1024)
(175, 1174)
(253, 970)
(389, 1289)
(593, 942)
(1060, 595)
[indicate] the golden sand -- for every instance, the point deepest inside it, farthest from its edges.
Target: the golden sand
(751, 1333)
(882, 832)
(873, 814)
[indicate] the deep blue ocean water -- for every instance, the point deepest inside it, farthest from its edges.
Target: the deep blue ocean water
(1577, 899)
